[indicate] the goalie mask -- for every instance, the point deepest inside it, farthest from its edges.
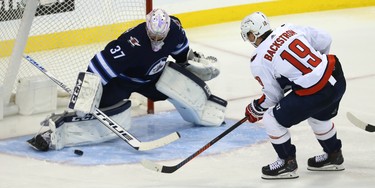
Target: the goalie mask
(255, 23)
(157, 27)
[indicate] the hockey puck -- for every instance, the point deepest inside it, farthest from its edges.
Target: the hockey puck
(78, 152)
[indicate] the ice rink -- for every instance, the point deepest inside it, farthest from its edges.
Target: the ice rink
(353, 36)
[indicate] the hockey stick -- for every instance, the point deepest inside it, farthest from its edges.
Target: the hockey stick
(109, 123)
(170, 169)
(359, 123)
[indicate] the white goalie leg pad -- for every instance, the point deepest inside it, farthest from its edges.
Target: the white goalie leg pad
(214, 111)
(86, 93)
(274, 130)
(191, 96)
(323, 130)
(70, 130)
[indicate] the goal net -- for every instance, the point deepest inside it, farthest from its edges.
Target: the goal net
(62, 36)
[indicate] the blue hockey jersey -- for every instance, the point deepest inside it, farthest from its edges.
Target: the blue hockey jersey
(131, 57)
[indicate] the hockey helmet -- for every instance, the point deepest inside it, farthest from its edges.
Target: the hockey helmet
(256, 23)
(157, 27)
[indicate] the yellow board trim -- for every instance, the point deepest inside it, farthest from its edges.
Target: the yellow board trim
(71, 38)
(189, 20)
(270, 8)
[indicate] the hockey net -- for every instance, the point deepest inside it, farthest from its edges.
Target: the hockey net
(63, 37)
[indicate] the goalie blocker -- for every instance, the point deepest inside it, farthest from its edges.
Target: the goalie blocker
(86, 93)
(191, 96)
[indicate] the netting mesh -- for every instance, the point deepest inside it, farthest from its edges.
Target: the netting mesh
(64, 36)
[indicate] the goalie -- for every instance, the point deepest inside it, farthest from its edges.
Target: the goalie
(137, 62)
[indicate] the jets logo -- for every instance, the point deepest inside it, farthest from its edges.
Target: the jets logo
(133, 41)
(157, 67)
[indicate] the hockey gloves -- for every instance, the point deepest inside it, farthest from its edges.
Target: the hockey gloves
(206, 68)
(254, 112)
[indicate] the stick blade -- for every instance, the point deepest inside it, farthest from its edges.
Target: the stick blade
(359, 123)
(159, 142)
(151, 165)
(157, 167)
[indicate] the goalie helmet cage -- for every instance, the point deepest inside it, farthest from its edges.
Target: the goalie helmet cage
(61, 34)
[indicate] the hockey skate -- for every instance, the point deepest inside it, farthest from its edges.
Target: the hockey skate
(41, 141)
(48, 139)
(281, 169)
(326, 162)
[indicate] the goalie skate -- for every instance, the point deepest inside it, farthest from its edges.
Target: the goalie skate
(41, 141)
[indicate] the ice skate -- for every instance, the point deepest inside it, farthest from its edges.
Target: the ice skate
(326, 162)
(41, 141)
(281, 169)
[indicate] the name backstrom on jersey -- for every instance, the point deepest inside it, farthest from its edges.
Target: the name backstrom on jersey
(278, 43)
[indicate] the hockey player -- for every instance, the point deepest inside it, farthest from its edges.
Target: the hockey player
(300, 81)
(137, 62)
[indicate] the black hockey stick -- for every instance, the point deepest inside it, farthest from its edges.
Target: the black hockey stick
(170, 169)
(109, 123)
(359, 123)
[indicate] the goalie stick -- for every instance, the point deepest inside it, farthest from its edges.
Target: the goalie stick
(359, 123)
(109, 123)
(170, 169)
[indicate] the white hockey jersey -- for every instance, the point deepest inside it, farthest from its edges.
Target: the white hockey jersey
(292, 56)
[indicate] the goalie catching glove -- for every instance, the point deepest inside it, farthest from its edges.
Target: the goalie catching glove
(206, 68)
(254, 112)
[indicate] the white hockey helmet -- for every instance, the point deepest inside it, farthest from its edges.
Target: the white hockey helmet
(256, 23)
(157, 27)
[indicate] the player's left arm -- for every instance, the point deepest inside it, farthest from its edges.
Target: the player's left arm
(272, 93)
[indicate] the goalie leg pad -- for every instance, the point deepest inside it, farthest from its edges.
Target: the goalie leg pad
(191, 96)
(214, 111)
(71, 130)
(86, 93)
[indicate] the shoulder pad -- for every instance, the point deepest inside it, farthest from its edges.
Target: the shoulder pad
(176, 21)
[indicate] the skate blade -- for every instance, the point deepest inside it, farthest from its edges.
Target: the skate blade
(331, 167)
(287, 175)
(31, 143)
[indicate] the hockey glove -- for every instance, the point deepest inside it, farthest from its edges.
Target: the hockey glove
(206, 68)
(254, 112)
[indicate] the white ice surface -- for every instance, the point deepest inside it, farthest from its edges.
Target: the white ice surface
(353, 36)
